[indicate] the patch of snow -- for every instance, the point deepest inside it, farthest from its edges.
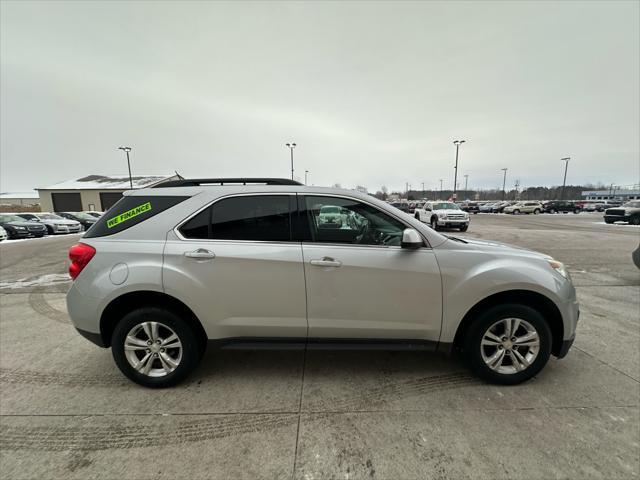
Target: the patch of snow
(41, 281)
(617, 224)
(108, 182)
(16, 240)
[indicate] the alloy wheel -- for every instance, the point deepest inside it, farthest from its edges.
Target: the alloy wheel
(510, 346)
(153, 349)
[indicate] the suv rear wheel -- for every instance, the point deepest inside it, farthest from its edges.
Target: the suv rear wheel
(508, 344)
(154, 347)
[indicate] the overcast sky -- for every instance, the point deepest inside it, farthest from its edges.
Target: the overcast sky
(372, 92)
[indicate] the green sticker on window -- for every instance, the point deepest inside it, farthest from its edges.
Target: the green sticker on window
(129, 214)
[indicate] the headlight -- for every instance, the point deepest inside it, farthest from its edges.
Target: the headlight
(442, 215)
(559, 267)
(20, 228)
(466, 215)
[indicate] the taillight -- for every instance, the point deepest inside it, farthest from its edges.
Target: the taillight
(80, 255)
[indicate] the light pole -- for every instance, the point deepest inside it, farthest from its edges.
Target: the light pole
(127, 150)
(440, 190)
(291, 147)
(422, 189)
(564, 181)
(504, 181)
(466, 183)
(306, 172)
(457, 143)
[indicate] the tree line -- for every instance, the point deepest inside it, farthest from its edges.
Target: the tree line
(571, 192)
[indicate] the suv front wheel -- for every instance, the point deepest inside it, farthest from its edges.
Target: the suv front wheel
(508, 344)
(154, 347)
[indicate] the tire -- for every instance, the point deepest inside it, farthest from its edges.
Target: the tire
(606, 220)
(576, 211)
(464, 228)
(634, 220)
(507, 373)
(417, 216)
(536, 211)
(434, 223)
(516, 212)
(50, 230)
(552, 210)
(187, 358)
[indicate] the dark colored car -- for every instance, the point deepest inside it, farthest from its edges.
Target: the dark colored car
(470, 207)
(85, 219)
(500, 206)
(18, 227)
(402, 206)
(560, 206)
(629, 212)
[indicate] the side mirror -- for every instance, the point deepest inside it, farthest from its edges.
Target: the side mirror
(411, 239)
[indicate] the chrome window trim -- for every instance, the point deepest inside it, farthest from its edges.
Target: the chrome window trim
(176, 229)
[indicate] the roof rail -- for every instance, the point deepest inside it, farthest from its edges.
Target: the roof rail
(196, 182)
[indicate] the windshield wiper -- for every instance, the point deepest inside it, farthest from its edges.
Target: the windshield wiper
(456, 239)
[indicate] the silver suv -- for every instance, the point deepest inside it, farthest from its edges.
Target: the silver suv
(242, 262)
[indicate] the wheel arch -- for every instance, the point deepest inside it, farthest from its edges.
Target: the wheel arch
(535, 300)
(119, 306)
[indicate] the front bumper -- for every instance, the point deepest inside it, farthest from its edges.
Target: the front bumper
(564, 348)
(17, 233)
(447, 222)
(617, 218)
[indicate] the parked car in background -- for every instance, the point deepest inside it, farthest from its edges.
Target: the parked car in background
(53, 223)
(524, 207)
(486, 207)
(18, 227)
(94, 213)
(500, 206)
(3, 234)
(83, 218)
(560, 206)
(593, 207)
(330, 216)
(629, 212)
(404, 206)
(470, 207)
(443, 214)
(171, 268)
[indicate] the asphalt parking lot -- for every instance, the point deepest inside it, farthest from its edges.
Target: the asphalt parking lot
(67, 412)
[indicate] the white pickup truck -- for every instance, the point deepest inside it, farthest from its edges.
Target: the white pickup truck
(443, 214)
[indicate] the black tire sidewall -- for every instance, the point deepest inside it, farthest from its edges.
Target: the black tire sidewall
(191, 350)
(474, 335)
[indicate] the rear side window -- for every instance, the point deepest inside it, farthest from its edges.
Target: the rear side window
(257, 218)
(130, 211)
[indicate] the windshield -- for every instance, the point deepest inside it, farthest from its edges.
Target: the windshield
(11, 218)
(50, 216)
(632, 204)
(445, 206)
(83, 216)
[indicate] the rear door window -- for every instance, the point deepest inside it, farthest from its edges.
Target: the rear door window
(264, 218)
(130, 211)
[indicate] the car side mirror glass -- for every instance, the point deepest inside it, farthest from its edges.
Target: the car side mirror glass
(411, 239)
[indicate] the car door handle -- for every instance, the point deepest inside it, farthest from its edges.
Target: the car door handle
(200, 253)
(326, 262)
